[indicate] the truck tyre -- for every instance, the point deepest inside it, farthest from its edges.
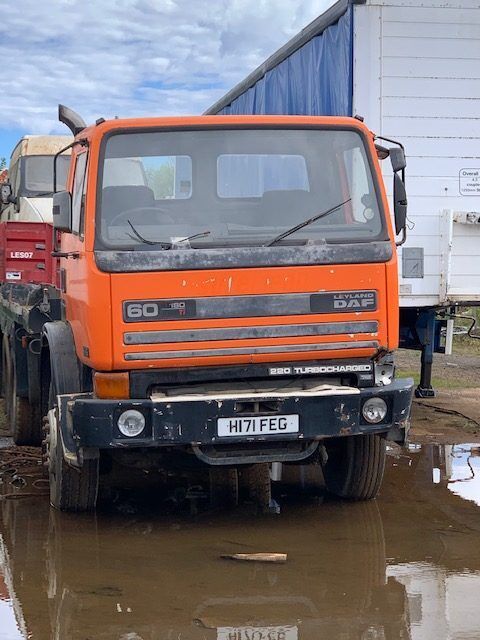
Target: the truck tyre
(223, 487)
(355, 466)
(255, 479)
(2, 369)
(24, 419)
(71, 489)
(5, 372)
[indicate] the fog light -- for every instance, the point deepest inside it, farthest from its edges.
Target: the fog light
(374, 410)
(131, 423)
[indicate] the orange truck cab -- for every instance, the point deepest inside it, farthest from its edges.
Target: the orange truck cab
(228, 298)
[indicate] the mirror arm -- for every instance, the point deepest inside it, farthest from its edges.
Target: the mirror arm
(55, 157)
(65, 254)
(391, 141)
(403, 239)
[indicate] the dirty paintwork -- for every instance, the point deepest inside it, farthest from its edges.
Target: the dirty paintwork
(134, 261)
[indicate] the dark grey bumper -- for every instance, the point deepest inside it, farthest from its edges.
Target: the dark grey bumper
(87, 422)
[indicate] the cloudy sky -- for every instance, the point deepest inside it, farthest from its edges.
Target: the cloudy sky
(132, 57)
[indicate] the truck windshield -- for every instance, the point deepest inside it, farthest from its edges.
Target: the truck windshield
(38, 174)
(243, 187)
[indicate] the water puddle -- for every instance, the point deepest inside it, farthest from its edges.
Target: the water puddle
(10, 623)
(404, 566)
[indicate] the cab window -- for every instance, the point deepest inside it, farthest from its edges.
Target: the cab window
(78, 199)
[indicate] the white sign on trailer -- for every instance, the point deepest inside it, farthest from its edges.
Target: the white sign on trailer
(469, 182)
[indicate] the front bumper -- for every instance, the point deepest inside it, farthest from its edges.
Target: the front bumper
(90, 423)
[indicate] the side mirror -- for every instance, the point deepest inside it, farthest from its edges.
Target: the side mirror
(397, 158)
(399, 203)
(5, 193)
(382, 152)
(62, 211)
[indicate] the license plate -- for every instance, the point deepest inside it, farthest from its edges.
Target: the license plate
(257, 633)
(257, 426)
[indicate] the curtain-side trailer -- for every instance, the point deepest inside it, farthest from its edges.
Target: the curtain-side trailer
(412, 71)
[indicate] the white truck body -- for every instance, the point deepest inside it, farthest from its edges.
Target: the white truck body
(416, 74)
(411, 69)
(30, 207)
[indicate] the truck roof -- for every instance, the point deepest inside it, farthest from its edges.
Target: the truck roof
(205, 121)
(35, 145)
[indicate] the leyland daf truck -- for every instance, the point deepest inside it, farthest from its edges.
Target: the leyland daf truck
(225, 299)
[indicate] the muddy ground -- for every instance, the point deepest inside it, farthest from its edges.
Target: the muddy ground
(149, 565)
(453, 416)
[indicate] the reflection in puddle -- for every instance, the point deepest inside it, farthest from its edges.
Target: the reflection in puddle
(404, 566)
(463, 471)
(257, 633)
(9, 629)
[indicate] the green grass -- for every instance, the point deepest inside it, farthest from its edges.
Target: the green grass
(437, 383)
(464, 344)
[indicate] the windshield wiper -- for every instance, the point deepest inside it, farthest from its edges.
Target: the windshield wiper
(297, 227)
(163, 243)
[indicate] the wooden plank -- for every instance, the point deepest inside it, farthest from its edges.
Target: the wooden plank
(257, 557)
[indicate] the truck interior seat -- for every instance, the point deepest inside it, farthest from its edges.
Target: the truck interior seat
(118, 199)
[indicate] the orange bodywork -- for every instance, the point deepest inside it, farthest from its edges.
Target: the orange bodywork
(93, 299)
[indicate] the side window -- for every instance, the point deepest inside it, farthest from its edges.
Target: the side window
(362, 193)
(13, 173)
(78, 200)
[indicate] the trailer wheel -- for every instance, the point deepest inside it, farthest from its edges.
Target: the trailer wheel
(223, 487)
(255, 479)
(355, 466)
(2, 368)
(22, 417)
(5, 371)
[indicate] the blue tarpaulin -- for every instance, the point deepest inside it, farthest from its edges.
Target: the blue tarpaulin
(316, 79)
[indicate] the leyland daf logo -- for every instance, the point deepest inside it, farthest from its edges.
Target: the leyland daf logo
(354, 301)
(343, 301)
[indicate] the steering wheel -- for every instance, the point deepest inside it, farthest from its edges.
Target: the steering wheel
(129, 212)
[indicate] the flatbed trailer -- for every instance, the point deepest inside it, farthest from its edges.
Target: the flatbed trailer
(29, 298)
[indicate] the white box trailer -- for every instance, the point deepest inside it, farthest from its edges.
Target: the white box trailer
(416, 78)
(412, 70)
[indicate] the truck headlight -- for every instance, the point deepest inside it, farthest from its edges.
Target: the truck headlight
(131, 423)
(374, 410)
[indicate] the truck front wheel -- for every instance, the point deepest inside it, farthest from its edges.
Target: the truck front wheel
(71, 489)
(355, 466)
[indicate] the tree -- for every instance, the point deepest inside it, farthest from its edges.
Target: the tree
(3, 163)
(161, 180)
